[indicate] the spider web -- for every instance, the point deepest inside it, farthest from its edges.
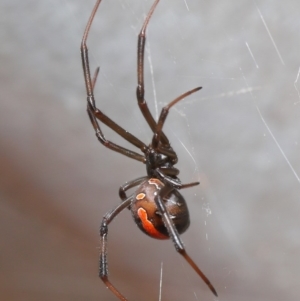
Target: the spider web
(236, 136)
(239, 135)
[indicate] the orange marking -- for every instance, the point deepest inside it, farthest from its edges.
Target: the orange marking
(148, 226)
(155, 182)
(140, 196)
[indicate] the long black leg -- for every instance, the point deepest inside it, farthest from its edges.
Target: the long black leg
(103, 265)
(140, 90)
(173, 233)
(163, 116)
(169, 175)
(96, 113)
(111, 145)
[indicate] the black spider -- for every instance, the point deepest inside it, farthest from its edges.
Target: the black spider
(157, 207)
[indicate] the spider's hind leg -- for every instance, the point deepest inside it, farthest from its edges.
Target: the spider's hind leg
(95, 113)
(103, 266)
(174, 235)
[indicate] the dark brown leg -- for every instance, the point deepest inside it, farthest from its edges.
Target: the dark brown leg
(96, 113)
(174, 181)
(164, 113)
(103, 265)
(173, 233)
(128, 185)
(140, 90)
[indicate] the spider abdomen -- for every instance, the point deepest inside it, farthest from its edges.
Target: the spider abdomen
(148, 217)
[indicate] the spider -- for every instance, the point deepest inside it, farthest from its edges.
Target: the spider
(157, 207)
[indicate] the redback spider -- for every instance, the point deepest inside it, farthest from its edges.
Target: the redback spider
(157, 207)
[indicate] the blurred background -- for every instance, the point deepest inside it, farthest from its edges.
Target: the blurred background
(239, 136)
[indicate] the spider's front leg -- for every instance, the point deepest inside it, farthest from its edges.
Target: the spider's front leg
(96, 114)
(140, 90)
(103, 265)
(174, 235)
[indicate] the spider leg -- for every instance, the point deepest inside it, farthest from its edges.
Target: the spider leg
(164, 113)
(173, 233)
(103, 266)
(95, 113)
(174, 181)
(140, 90)
(111, 145)
(128, 185)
